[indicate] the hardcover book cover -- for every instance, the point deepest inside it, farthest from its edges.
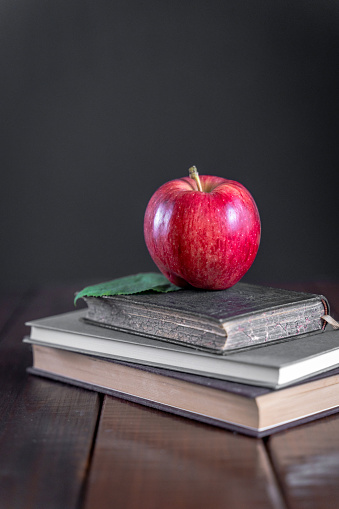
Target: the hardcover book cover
(220, 321)
(252, 410)
(275, 364)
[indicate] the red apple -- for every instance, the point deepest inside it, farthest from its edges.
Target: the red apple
(202, 231)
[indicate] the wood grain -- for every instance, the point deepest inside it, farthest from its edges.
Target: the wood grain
(10, 305)
(306, 460)
(46, 428)
(146, 458)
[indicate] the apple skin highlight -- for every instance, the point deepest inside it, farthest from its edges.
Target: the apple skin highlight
(207, 239)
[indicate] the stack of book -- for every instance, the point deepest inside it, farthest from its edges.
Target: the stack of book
(251, 359)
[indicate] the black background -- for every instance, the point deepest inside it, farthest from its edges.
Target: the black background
(103, 101)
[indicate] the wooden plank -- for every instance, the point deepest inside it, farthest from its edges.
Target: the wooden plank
(306, 460)
(9, 305)
(15, 356)
(46, 428)
(147, 458)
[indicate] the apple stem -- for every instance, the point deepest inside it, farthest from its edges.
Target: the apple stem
(193, 173)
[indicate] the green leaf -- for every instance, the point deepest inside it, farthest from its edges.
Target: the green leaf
(128, 285)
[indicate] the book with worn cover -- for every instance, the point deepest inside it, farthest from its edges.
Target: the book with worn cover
(276, 364)
(242, 316)
(252, 410)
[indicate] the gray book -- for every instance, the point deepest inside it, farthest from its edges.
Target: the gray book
(275, 365)
(242, 316)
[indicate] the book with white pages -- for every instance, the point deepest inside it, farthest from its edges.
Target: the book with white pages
(274, 365)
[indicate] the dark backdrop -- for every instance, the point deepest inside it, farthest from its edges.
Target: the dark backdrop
(103, 101)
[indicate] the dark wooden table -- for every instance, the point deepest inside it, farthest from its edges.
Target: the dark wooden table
(65, 447)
